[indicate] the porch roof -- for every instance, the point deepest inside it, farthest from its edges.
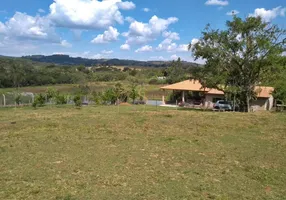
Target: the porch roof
(194, 85)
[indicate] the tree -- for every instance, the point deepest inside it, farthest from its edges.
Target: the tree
(240, 57)
(176, 72)
(134, 93)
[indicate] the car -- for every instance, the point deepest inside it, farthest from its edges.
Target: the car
(223, 105)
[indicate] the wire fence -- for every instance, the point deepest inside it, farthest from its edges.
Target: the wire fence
(27, 98)
(13, 99)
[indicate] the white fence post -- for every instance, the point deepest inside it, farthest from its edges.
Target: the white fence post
(4, 100)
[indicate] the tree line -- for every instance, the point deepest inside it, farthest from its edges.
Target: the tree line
(15, 73)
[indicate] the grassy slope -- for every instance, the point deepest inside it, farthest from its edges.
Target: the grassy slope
(96, 153)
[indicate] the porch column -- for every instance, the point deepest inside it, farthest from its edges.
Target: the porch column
(163, 98)
(183, 96)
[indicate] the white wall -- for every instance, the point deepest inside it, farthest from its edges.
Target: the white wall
(263, 103)
(259, 104)
(209, 100)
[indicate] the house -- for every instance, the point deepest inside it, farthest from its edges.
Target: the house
(264, 100)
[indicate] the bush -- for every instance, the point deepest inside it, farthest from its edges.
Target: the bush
(109, 96)
(97, 98)
(51, 93)
(77, 100)
(39, 100)
(18, 99)
(61, 99)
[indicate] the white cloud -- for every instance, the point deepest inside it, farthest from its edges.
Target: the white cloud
(146, 9)
(127, 5)
(125, 47)
(146, 48)
(129, 19)
(157, 58)
(96, 56)
(268, 15)
(88, 14)
(183, 48)
(232, 13)
(107, 52)
(194, 41)
(40, 10)
(140, 33)
(167, 45)
(284, 53)
(171, 35)
(2, 28)
(216, 3)
(65, 43)
(26, 27)
(108, 36)
(174, 57)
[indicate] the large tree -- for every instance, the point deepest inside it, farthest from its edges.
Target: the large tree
(239, 57)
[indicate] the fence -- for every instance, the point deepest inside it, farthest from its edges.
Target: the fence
(27, 98)
(12, 99)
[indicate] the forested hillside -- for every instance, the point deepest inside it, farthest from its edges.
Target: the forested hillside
(67, 60)
(19, 72)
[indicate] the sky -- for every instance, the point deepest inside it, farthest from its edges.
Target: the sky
(138, 29)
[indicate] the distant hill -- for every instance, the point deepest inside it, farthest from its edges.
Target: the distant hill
(67, 60)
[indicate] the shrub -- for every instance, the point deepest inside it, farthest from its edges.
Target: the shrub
(97, 98)
(51, 93)
(109, 96)
(18, 99)
(61, 99)
(39, 100)
(77, 100)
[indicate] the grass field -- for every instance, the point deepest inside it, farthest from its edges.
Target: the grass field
(99, 153)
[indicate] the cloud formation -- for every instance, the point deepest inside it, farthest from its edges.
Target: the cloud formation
(125, 47)
(25, 27)
(269, 15)
(108, 36)
(140, 33)
(146, 48)
(216, 3)
(82, 14)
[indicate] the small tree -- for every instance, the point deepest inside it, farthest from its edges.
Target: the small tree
(51, 94)
(61, 99)
(39, 100)
(97, 98)
(175, 73)
(109, 96)
(18, 99)
(134, 93)
(77, 100)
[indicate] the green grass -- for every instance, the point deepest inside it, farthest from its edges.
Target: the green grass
(97, 153)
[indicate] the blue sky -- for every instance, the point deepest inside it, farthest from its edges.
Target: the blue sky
(141, 30)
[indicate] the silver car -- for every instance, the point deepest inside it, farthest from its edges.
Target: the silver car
(223, 105)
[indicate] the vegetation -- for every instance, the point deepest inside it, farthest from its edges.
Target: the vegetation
(67, 60)
(98, 153)
(176, 73)
(240, 57)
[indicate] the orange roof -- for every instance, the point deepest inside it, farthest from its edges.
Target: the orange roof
(194, 85)
(264, 92)
(188, 85)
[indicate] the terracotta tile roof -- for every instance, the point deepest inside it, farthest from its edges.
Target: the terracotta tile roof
(193, 85)
(264, 92)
